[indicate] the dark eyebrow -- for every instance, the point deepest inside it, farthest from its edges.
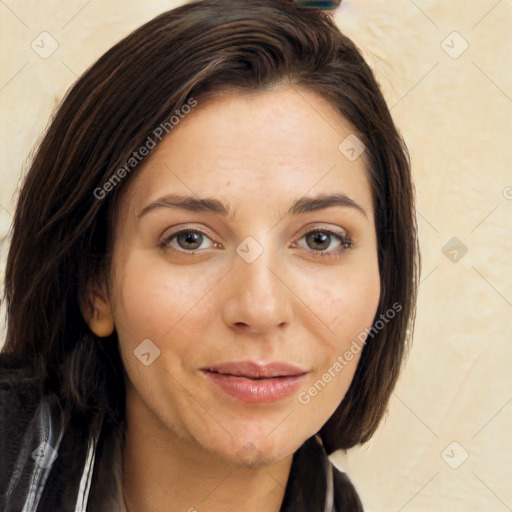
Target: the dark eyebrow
(209, 204)
(321, 201)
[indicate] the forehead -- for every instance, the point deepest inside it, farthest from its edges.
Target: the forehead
(259, 148)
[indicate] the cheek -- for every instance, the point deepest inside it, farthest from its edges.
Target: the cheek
(347, 305)
(354, 306)
(153, 300)
(344, 301)
(168, 306)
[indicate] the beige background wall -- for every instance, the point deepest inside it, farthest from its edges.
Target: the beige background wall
(445, 67)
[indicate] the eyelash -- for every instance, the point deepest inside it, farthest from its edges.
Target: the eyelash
(345, 241)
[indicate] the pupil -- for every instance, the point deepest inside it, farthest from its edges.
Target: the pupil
(190, 238)
(321, 238)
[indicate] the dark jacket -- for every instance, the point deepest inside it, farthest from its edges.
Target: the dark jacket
(50, 462)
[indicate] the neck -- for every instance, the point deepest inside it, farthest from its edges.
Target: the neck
(166, 472)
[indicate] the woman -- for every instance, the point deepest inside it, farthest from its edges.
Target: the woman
(212, 276)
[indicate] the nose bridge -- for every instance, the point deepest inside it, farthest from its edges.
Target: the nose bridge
(258, 296)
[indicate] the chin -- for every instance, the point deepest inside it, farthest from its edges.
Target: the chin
(256, 450)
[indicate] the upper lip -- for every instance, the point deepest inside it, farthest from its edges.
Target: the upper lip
(254, 370)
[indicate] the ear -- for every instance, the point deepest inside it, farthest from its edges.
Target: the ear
(98, 313)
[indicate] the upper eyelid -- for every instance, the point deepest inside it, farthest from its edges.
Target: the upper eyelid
(303, 230)
(319, 227)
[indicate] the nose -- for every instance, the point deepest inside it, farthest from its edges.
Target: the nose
(258, 298)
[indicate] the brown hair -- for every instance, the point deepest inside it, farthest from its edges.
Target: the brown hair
(60, 236)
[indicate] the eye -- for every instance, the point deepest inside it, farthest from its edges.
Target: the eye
(188, 241)
(320, 239)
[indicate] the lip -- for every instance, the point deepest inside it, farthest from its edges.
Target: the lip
(253, 382)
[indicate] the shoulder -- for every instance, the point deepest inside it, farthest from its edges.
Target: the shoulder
(20, 394)
(42, 447)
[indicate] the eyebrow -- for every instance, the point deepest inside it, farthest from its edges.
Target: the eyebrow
(210, 204)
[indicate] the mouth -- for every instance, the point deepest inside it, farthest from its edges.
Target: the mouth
(253, 382)
(256, 371)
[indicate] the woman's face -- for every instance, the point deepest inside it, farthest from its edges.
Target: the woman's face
(230, 323)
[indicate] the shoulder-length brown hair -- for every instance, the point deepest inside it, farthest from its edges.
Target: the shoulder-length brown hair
(61, 230)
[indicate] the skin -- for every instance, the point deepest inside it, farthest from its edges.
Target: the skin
(258, 153)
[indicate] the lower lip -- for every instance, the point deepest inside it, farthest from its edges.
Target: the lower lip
(256, 391)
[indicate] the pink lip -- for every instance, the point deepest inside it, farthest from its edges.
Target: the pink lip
(256, 382)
